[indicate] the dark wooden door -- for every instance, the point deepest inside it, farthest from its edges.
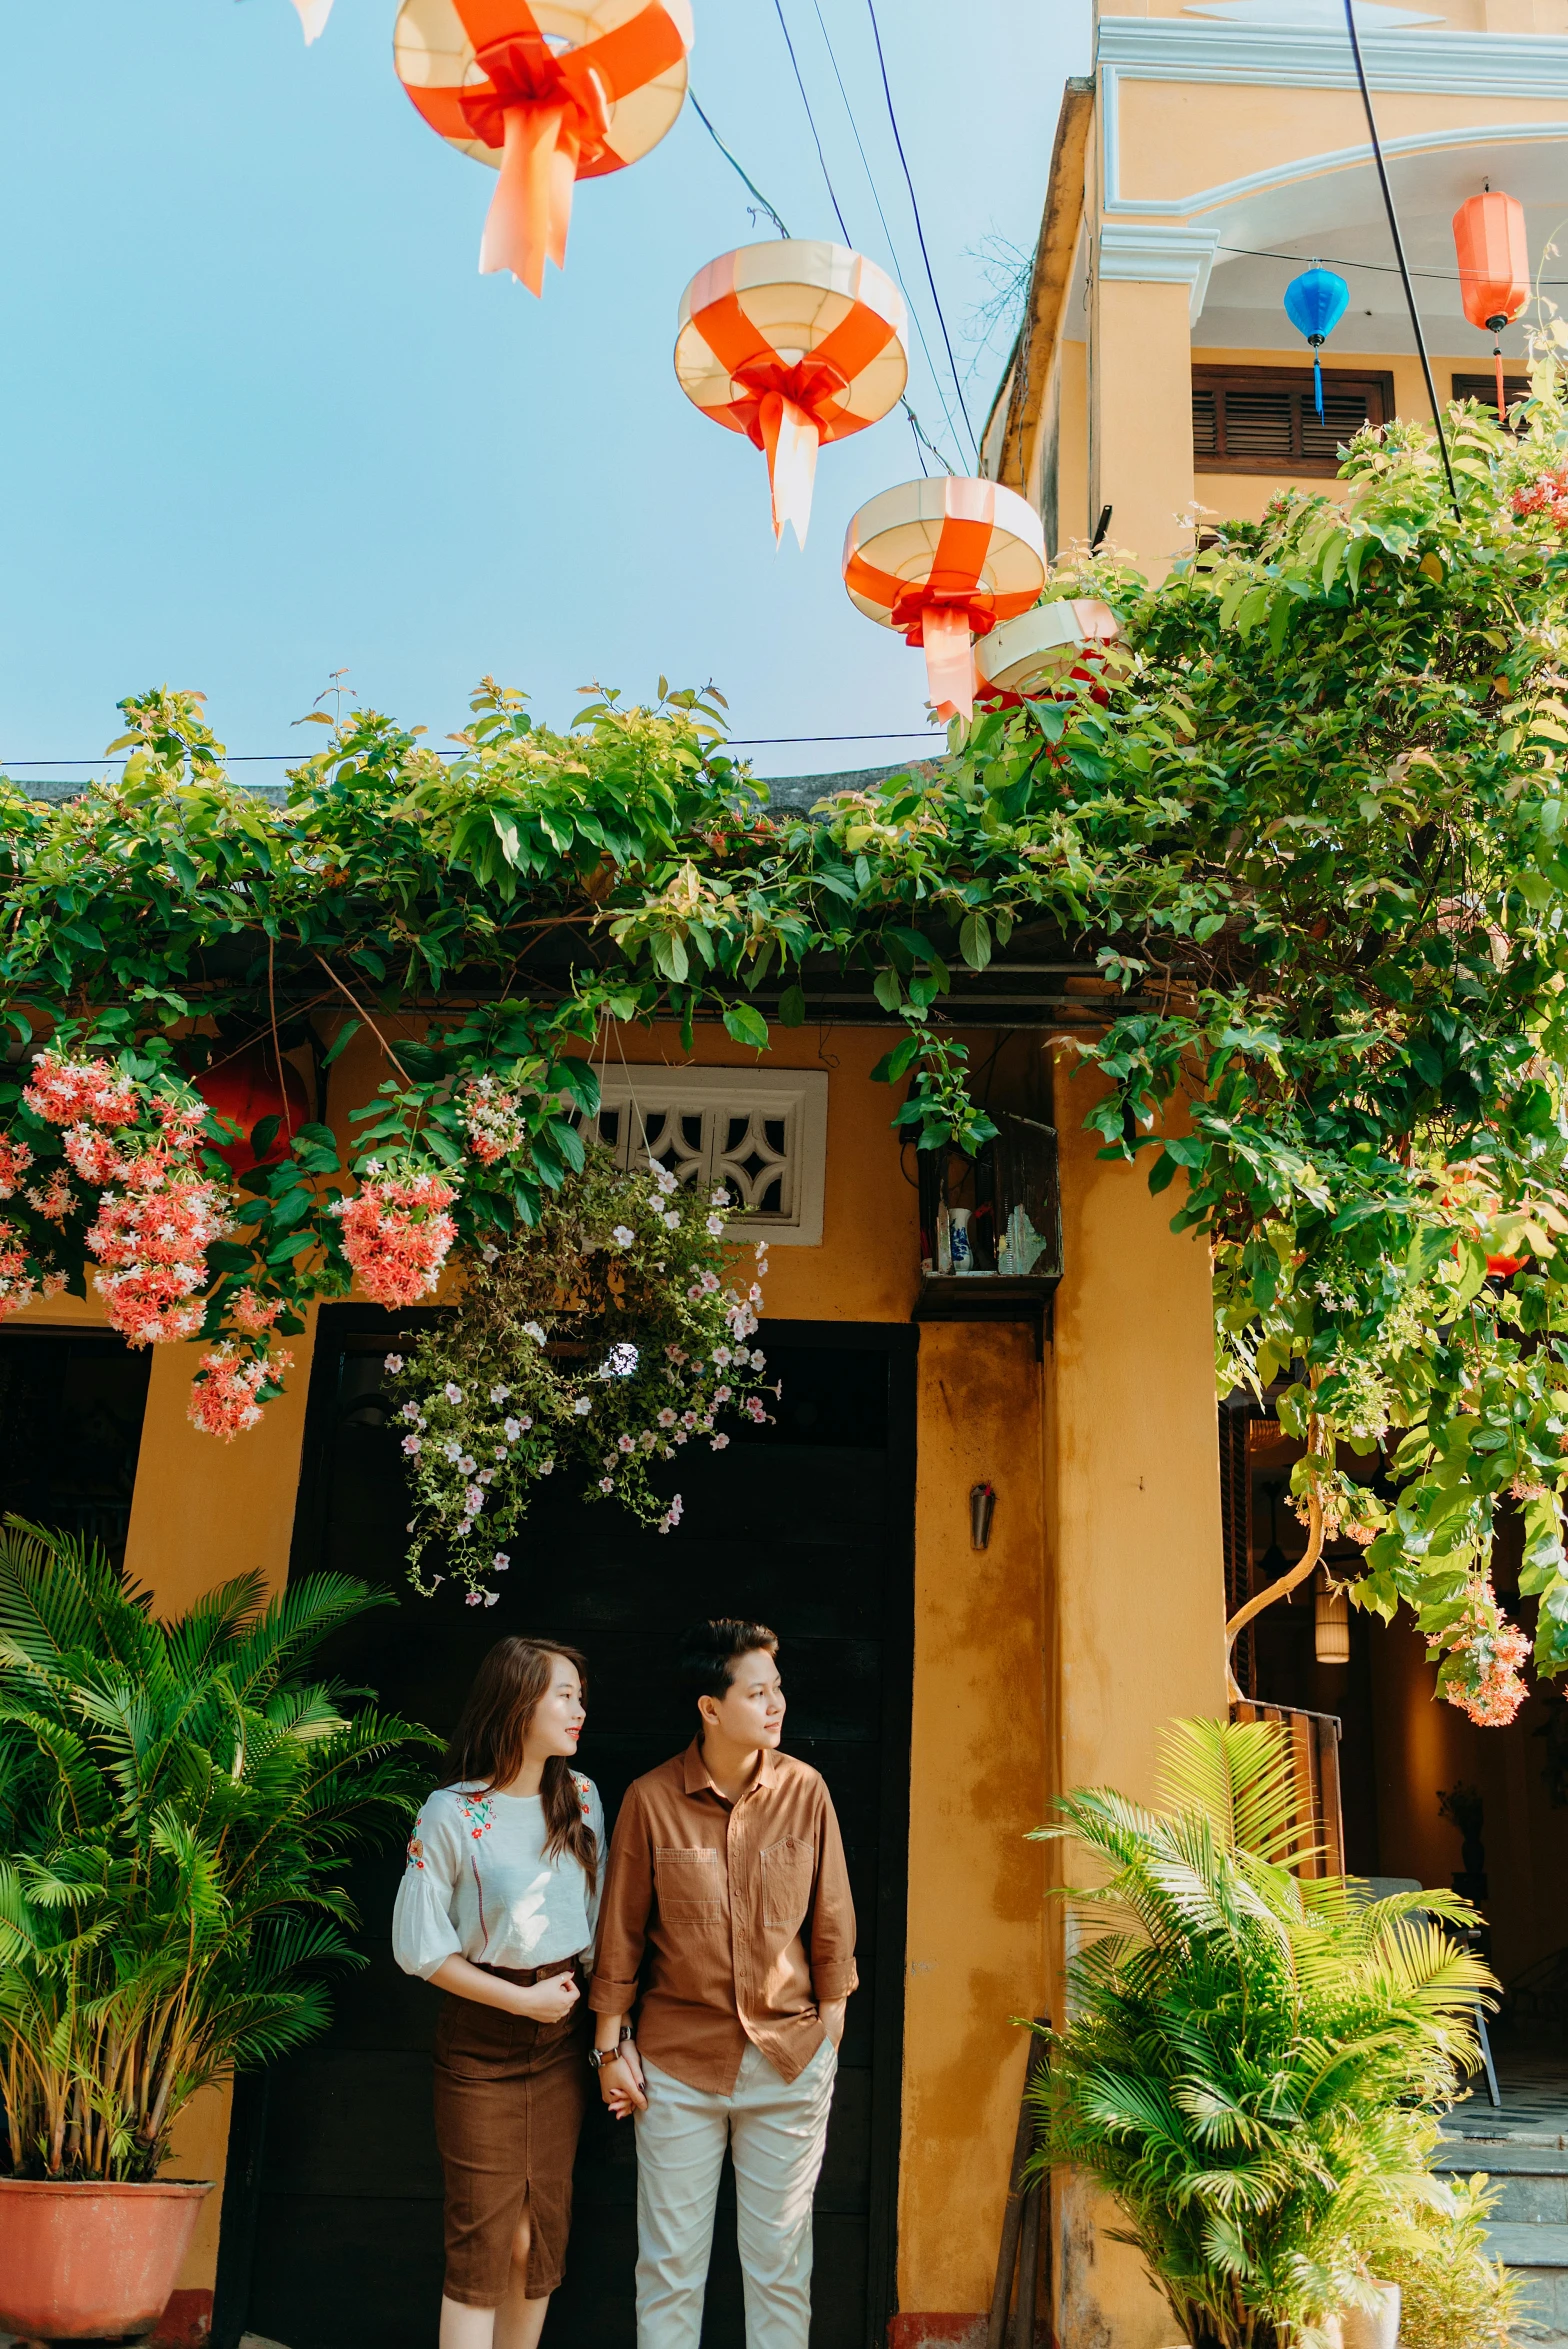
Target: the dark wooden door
(333, 2217)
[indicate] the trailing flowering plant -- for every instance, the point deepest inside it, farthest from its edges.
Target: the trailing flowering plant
(599, 1344)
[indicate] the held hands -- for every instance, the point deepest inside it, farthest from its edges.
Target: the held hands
(551, 2000)
(622, 2084)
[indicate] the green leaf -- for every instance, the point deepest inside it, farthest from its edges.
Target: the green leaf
(746, 1024)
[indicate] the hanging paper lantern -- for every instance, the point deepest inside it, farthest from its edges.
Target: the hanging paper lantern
(1315, 303)
(313, 16)
(246, 1089)
(1494, 268)
(552, 94)
(792, 343)
(1036, 651)
(943, 561)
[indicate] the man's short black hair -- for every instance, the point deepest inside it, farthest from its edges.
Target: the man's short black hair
(710, 1652)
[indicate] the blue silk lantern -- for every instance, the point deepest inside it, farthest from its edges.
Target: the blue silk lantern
(1315, 303)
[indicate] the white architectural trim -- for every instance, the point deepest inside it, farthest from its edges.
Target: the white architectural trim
(710, 1100)
(1159, 256)
(1468, 65)
(1304, 167)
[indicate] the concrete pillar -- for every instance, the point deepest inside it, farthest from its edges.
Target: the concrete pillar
(1148, 286)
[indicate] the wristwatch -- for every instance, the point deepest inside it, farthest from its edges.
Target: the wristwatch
(598, 2057)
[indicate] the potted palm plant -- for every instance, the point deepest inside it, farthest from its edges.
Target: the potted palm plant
(1254, 2059)
(177, 1800)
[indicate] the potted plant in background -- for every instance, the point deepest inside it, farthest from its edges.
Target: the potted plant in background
(177, 1804)
(1255, 2060)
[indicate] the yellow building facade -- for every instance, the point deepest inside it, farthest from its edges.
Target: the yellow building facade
(1219, 147)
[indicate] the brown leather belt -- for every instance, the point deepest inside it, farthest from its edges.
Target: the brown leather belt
(526, 1975)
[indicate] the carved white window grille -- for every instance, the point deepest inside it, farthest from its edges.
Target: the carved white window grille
(762, 1133)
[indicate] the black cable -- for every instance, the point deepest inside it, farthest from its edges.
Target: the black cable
(291, 758)
(865, 164)
(1399, 251)
(778, 10)
(737, 168)
(914, 205)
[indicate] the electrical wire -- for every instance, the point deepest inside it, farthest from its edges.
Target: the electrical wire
(1399, 251)
(737, 168)
(778, 10)
(865, 164)
(286, 758)
(914, 205)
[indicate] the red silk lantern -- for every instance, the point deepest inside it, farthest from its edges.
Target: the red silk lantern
(550, 93)
(246, 1090)
(1494, 268)
(943, 561)
(792, 343)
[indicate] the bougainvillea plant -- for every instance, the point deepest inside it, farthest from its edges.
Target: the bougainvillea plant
(600, 1344)
(1311, 822)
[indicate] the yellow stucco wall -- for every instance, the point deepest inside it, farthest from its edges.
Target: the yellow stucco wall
(1085, 1600)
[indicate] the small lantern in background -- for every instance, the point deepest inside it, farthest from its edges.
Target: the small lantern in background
(1315, 303)
(550, 94)
(943, 561)
(1035, 652)
(1331, 1623)
(982, 1508)
(793, 343)
(247, 1090)
(1494, 268)
(313, 16)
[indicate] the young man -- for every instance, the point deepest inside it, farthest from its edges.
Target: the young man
(726, 1907)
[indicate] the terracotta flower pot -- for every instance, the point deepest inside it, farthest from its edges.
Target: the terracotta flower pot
(91, 2262)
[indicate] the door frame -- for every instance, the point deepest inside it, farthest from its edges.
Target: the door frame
(898, 1343)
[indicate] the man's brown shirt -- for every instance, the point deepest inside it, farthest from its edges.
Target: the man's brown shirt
(733, 1919)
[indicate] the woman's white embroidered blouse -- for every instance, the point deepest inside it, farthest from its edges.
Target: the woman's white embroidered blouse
(479, 1885)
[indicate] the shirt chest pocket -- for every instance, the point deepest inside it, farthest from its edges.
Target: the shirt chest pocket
(688, 1883)
(786, 1882)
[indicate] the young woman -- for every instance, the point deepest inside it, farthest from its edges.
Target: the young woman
(498, 1907)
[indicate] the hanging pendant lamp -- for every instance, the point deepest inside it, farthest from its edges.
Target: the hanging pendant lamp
(1494, 268)
(548, 94)
(793, 343)
(943, 561)
(1036, 652)
(1315, 303)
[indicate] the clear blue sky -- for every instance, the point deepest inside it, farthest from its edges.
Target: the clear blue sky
(261, 419)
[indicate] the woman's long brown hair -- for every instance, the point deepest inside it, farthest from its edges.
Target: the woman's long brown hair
(487, 1744)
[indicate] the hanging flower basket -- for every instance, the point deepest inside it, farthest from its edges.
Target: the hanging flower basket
(600, 1343)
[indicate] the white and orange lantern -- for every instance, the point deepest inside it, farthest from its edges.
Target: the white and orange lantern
(1035, 653)
(943, 561)
(551, 94)
(793, 343)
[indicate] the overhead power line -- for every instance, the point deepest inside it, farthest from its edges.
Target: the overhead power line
(293, 758)
(914, 205)
(778, 10)
(738, 168)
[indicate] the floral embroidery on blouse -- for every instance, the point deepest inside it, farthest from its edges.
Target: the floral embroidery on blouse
(478, 1813)
(416, 1851)
(583, 1791)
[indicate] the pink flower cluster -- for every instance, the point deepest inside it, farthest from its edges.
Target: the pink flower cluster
(397, 1235)
(152, 1238)
(18, 1287)
(1497, 1650)
(1547, 494)
(226, 1390)
(494, 1120)
(15, 1159)
(72, 1092)
(253, 1314)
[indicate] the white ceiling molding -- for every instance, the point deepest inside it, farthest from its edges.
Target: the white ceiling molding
(1495, 65)
(1372, 16)
(761, 1132)
(1159, 256)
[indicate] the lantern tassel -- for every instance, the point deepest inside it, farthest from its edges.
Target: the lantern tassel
(1497, 354)
(531, 210)
(791, 439)
(1317, 379)
(313, 16)
(950, 662)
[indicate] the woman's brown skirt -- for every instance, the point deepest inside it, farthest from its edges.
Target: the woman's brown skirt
(510, 2095)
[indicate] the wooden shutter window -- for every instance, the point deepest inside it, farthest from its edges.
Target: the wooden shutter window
(1265, 420)
(1484, 389)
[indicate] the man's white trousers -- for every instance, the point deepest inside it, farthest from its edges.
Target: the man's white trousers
(776, 2130)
